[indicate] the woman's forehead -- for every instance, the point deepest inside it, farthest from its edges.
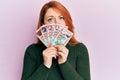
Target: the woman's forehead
(52, 11)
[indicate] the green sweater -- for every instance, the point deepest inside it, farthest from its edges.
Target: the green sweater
(75, 68)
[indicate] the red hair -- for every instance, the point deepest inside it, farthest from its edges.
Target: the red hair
(67, 17)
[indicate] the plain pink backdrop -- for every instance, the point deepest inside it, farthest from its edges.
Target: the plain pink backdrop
(97, 24)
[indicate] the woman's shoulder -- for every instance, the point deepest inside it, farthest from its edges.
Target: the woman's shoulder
(79, 45)
(79, 48)
(34, 47)
(31, 46)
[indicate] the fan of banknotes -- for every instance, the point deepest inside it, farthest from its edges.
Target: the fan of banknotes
(54, 34)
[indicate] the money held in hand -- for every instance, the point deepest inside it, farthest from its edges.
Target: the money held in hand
(54, 34)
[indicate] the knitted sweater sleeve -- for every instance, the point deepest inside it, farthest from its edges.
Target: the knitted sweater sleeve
(30, 71)
(82, 71)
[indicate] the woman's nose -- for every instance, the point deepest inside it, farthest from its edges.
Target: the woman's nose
(57, 21)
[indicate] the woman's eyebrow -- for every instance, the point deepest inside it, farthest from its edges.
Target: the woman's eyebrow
(50, 16)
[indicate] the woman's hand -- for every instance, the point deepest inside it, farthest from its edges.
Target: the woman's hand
(48, 54)
(62, 52)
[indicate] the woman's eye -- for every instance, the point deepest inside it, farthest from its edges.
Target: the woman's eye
(49, 19)
(61, 17)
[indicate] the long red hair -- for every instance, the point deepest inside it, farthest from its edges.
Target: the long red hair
(67, 17)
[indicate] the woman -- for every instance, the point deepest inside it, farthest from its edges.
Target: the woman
(70, 62)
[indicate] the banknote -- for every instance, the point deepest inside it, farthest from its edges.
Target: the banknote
(63, 37)
(42, 34)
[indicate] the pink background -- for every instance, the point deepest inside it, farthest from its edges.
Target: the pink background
(97, 24)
